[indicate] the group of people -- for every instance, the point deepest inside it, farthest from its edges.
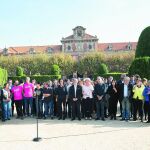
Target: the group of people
(78, 98)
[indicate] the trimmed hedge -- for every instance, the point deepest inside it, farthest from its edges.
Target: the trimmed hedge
(40, 78)
(3, 76)
(141, 66)
(143, 46)
(19, 71)
(55, 70)
(89, 62)
(115, 75)
(103, 69)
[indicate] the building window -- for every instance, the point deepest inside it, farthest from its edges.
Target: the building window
(69, 48)
(31, 51)
(5, 51)
(49, 50)
(110, 47)
(129, 46)
(90, 47)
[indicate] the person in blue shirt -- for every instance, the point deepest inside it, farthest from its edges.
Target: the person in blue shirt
(146, 94)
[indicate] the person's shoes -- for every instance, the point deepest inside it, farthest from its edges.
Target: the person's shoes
(72, 119)
(79, 119)
(17, 117)
(86, 118)
(148, 121)
(120, 116)
(97, 119)
(127, 120)
(45, 118)
(90, 118)
(64, 118)
(111, 118)
(115, 118)
(3, 120)
(122, 119)
(22, 118)
(52, 118)
(103, 119)
(141, 119)
(134, 119)
(59, 118)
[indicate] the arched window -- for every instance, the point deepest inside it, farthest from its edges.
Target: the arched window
(31, 51)
(69, 48)
(90, 47)
(49, 50)
(110, 47)
(129, 46)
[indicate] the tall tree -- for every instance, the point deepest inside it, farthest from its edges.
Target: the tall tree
(143, 46)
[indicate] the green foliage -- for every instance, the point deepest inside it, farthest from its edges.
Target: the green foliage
(141, 66)
(41, 64)
(3, 76)
(89, 63)
(143, 46)
(38, 78)
(103, 69)
(19, 71)
(115, 75)
(55, 70)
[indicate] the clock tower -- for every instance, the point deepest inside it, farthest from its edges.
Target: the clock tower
(79, 32)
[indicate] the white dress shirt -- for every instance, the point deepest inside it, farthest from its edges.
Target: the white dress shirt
(125, 90)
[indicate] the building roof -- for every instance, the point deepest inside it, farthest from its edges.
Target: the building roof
(58, 48)
(117, 46)
(36, 49)
(85, 37)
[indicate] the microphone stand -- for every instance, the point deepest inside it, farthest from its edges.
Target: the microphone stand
(37, 139)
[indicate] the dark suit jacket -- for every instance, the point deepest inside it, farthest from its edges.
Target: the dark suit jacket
(121, 91)
(99, 90)
(78, 92)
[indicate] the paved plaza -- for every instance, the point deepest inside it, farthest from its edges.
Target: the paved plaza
(77, 135)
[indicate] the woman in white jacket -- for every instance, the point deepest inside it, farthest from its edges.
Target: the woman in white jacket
(87, 89)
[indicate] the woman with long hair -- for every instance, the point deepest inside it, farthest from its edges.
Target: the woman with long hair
(113, 99)
(6, 97)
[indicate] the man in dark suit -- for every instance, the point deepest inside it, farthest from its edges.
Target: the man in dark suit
(75, 95)
(125, 95)
(119, 83)
(99, 91)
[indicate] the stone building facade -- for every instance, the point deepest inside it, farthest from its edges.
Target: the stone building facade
(76, 44)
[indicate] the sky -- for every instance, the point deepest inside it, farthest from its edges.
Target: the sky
(45, 22)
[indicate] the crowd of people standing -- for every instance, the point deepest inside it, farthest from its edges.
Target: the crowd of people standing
(78, 98)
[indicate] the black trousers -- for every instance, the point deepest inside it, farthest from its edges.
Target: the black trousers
(113, 107)
(83, 107)
(120, 102)
(69, 106)
(55, 106)
(146, 108)
(138, 107)
(24, 109)
(2, 113)
(149, 112)
(88, 107)
(61, 110)
(34, 106)
(19, 108)
(12, 106)
(75, 109)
